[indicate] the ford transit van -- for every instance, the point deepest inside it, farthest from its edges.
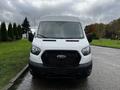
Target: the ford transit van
(60, 48)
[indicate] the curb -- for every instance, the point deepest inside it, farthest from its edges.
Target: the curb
(13, 80)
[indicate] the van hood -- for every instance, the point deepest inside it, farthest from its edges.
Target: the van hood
(60, 44)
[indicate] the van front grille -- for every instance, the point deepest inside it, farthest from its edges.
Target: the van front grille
(61, 58)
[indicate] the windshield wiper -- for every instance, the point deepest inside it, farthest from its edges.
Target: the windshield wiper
(40, 35)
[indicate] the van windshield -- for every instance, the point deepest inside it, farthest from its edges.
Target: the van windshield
(60, 29)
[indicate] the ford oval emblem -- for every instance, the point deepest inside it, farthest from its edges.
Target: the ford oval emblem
(61, 56)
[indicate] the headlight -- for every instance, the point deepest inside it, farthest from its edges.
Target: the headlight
(35, 50)
(86, 50)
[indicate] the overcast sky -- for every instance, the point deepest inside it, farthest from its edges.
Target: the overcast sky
(89, 11)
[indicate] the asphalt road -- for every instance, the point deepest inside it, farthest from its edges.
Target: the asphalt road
(105, 75)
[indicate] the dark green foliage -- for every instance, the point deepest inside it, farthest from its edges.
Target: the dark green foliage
(16, 35)
(19, 31)
(95, 36)
(91, 29)
(0, 33)
(13, 33)
(14, 30)
(110, 30)
(10, 32)
(3, 32)
(25, 25)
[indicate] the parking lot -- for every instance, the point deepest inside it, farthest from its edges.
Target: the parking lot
(105, 75)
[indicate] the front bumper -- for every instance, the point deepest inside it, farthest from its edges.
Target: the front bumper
(42, 70)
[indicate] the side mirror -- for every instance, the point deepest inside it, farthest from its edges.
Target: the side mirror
(30, 36)
(89, 37)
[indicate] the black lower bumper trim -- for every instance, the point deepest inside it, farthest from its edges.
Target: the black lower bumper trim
(40, 69)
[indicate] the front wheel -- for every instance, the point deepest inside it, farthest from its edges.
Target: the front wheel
(34, 75)
(87, 72)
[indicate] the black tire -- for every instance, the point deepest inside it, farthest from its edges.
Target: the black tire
(87, 72)
(34, 75)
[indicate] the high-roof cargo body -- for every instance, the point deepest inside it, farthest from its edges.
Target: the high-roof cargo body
(60, 48)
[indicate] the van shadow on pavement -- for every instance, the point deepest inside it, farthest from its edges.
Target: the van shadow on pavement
(29, 83)
(58, 83)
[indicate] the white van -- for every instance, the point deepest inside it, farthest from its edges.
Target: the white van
(60, 48)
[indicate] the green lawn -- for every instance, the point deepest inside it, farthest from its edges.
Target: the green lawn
(13, 57)
(107, 43)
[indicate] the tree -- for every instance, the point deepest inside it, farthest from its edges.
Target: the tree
(19, 31)
(26, 26)
(10, 32)
(0, 33)
(16, 36)
(92, 30)
(3, 32)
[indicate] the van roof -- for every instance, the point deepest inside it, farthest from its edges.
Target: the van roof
(60, 18)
